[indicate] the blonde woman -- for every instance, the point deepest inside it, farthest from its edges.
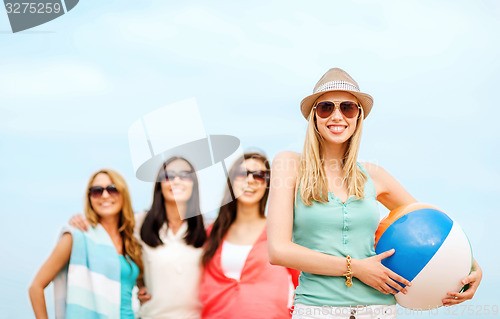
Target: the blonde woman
(171, 234)
(327, 202)
(96, 270)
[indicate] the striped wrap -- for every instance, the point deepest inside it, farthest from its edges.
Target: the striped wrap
(89, 286)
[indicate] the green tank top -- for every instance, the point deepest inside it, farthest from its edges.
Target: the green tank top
(338, 229)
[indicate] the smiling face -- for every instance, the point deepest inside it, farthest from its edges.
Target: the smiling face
(336, 128)
(106, 205)
(179, 187)
(249, 189)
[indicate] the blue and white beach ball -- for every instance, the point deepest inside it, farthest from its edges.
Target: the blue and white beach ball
(432, 252)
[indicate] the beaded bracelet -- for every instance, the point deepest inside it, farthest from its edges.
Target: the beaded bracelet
(348, 274)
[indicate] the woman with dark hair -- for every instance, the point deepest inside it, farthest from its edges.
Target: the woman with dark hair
(238, 280)
(172, 234)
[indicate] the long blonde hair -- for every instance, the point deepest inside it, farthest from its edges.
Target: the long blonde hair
(127, 220)
(311, 175)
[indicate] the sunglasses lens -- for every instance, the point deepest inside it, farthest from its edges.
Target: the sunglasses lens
(324, 109)
(171, 175)
(240, 173)
(349, 109)
(260, 176)
(112, 190)
(185, 176)
(166, 176)
(96, 191)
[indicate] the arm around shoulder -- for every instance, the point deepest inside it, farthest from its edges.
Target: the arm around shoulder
(60, 256)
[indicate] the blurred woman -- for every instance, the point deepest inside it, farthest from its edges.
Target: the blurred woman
(238, 280)
(172, 234)
(98, 269)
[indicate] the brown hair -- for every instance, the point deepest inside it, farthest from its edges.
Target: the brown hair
(227, 213)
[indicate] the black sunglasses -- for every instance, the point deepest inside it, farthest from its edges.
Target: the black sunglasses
(260, 176)
(97, 191)
(166, 176)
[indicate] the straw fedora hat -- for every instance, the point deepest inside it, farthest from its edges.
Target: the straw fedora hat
(336, 80)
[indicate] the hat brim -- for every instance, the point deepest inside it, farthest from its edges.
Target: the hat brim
(201, 153)
(364, 99)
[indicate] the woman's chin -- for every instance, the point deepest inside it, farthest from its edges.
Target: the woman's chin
(248, 199)
(336, 139)
(178, 199)
(107, 213)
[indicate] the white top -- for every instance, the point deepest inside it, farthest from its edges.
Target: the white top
(233, 259)
(172, 275)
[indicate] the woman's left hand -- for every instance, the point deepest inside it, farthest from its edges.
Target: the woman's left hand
(474, 279)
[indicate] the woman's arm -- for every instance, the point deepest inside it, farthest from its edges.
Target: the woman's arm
(389, 192)
(282, 251)
(60, 256)
(142, 294)
(392, 195)
(473, 280)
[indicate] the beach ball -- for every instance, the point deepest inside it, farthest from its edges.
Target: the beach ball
(431, 251)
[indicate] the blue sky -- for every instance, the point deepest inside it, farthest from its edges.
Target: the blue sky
(70, 89)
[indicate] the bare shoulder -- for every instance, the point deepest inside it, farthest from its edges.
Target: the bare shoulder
(284, 170)
(389, 192)
(286, 160)
(375, 171)
(64, 246)
(287, 155)
(66, 238)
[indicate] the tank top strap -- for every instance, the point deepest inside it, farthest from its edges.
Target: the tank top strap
(369, 185)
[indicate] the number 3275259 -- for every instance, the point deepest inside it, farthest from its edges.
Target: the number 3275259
(33, 7)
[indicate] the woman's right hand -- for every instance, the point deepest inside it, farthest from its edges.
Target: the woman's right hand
(80, 222)
(371, 271)
(143, 296)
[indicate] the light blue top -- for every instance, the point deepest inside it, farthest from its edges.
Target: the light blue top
(338, 229)
(128, 276)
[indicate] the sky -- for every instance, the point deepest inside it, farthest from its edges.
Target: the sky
(71, 88)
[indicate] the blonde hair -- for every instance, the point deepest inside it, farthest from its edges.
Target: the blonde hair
(127, 220)
(311, 175)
